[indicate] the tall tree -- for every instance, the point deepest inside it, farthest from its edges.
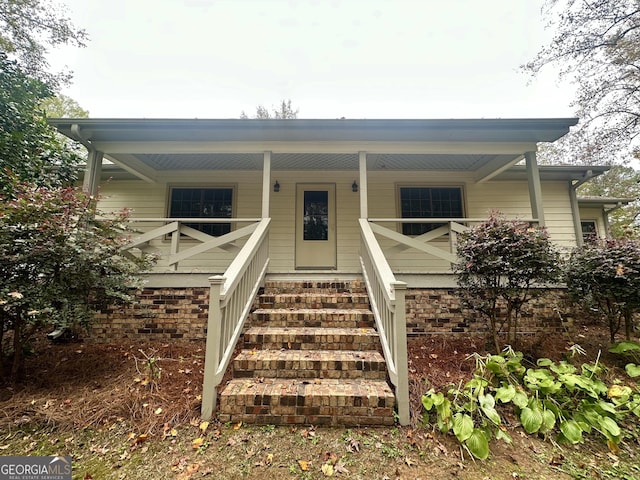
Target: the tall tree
(596, 45)
(62, 106)
(30, 150)
(29, 27)
(284, 111)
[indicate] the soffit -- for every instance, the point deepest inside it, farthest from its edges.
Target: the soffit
(318, 161)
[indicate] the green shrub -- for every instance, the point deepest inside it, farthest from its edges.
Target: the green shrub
(500, 262)
(604, 277)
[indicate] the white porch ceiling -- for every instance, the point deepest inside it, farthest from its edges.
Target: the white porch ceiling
(318, 161)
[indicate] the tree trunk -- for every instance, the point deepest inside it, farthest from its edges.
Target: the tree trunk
(628, 323)
(16, 367)
(516, 315)
(510, 326)
(494, 332)
(1, 344)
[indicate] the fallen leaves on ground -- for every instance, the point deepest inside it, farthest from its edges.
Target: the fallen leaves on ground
(197, 443)
(327, 469)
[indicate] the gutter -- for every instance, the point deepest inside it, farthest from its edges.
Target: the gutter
(75, 130)
(94, 162)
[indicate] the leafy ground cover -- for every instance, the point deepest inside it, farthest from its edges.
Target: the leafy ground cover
(130, 411)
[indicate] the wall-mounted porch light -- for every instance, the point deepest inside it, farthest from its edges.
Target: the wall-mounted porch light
(276, 186)
(354, 186)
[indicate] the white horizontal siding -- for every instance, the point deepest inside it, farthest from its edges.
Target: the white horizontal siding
(511, 198)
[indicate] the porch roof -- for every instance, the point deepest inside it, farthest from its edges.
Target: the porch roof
(556, 172)
(253, 130)
(605, 202)
(150, 148)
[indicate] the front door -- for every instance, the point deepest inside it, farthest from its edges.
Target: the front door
(315, 226)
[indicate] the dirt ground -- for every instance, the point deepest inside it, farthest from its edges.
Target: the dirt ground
(132, 411)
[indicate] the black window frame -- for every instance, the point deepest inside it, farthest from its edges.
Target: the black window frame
(419, 201)
(213, 229)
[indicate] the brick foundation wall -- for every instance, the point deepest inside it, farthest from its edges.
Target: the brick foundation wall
(181, 314)
(162, 313)
(439, 311)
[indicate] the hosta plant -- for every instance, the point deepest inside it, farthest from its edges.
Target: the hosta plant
(550, 399)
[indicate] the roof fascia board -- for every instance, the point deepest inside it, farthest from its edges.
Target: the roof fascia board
(604, 201)
(499, 130)
(566, 172)
(159, 147)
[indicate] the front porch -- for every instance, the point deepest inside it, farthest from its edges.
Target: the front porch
(314, 198)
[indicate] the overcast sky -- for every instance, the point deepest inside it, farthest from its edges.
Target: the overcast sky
(332, 58)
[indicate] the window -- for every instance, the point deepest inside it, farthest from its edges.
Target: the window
(429, 202)
(316, 215)
(589, 231)
(203, 203)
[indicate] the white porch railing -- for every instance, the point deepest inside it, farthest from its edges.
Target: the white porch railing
(230, 299)
(179, 232)
(450, 228)
(386, 296)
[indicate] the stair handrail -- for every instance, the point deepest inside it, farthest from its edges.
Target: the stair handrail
(387, 299)
(231, 297)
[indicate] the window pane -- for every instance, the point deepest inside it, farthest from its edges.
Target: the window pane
(426, 202)
(589, 232)
(316, 215)
(203, 203)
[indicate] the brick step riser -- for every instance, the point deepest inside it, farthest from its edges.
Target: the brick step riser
(311, 318)
(330, 288)
(304, 403)
(315, 306)
(310, 323)
(313, 374)
(316, 344)
(327, 416)
(313, 291)
(309, 369)
(292, 338)
(306, 298)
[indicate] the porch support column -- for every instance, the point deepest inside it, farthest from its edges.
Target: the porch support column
(364, 208)
(92, 172)
(266, 184)
(535, 190)
(575, 213)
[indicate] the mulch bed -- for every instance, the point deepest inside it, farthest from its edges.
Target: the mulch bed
(154, 386)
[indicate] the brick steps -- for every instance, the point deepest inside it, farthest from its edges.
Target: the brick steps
(315, 300)
(313, 317)
(309, 364)
(317, 402)
(310, 356)
(308, 338)
(319, 286)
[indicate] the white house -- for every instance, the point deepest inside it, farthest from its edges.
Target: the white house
(232, 206)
